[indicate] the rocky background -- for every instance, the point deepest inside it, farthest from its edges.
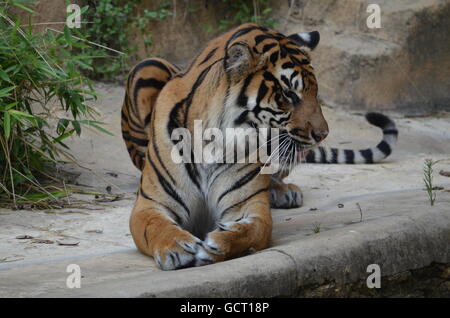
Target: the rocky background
(404, 66)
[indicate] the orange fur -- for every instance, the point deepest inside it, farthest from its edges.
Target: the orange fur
(174, 219)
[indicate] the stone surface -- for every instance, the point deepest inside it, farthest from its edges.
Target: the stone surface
(396, 227)
(402, 66)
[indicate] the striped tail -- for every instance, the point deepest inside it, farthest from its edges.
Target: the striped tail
(369, 155)
(144, 83)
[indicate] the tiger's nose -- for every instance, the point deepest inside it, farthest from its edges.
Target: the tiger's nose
(318, 137)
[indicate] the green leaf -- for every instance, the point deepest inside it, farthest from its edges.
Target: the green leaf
(19, 113)
(4, 92)
(21, 6)
(7, 124)
(67, 35)
(63, 136)
(96, 124)
(4, 76)
(9, 106)
(76, 126)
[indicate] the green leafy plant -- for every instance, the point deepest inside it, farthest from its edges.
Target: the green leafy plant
(41, 88)
(428, 180)
(112, 23)
(108, 26)
(142, 21)
(316, 227)
(256, 11)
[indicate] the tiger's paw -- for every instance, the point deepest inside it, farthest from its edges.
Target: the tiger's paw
(179, 253)
(202, 257)
(285, 196)
(212, 250)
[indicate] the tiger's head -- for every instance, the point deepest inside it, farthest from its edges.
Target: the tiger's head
(274, 84)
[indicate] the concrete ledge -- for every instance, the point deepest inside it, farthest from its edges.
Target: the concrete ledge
(396, 243)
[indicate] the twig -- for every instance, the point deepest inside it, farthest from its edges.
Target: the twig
(360, 211)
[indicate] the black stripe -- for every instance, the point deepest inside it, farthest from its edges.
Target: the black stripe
(124, 116)
(144, 83)
(146, 63)
(367, 154)
(137, 141)
(243, 99)
(279, 121)
(167, 187)
(298, 62)
(241, 182)
(145, 235)
(262, 91)
(349, 156)
(283, 51)
(197, 83)
(323, 155)
(192, 171)
(138, 131)
(257, 109)
(148, 118)
(287, 65)
(294, 74)
(292, 50)
(267, 47)
(135, 123)
(149, 82)
(390, 132)
(334, 155)
(262, 37)
(174, 118)
(384, 147)
(241, 119)
(210, 54)
(243, 201)
(270, 77)
(274, 57)
(156, 150)
(286, 81)
(190, 65)
(311, 157)
(146, 196)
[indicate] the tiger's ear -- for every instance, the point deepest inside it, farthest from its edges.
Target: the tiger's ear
(309, 39)
(238, 60)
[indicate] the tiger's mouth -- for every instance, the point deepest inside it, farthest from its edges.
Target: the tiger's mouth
(291, 151)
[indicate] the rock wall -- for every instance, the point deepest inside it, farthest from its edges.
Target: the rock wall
(403, 66)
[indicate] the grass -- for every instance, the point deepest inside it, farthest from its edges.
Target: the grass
(428, 180)
(316, 227)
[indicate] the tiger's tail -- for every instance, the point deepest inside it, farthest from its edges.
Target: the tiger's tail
(352, 156)
(144, 83)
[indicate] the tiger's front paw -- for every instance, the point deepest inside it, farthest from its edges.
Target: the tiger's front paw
(178, 253)
(285, 196)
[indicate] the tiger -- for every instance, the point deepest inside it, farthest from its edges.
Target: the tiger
(192, 214)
